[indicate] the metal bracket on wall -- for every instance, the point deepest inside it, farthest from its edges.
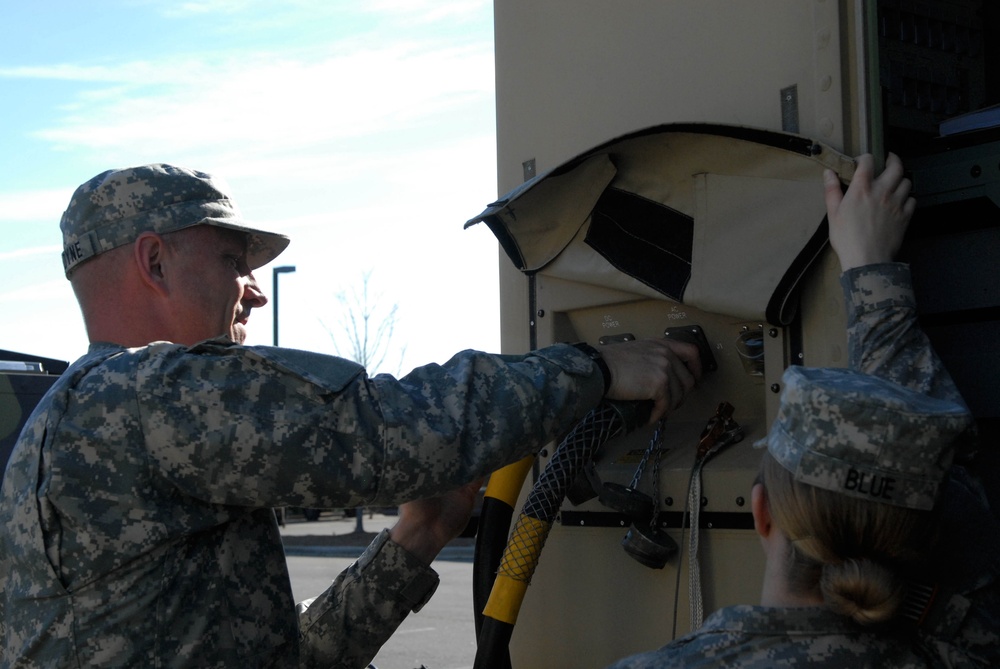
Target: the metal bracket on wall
(717, 520)
(528, 167)
(790, 109)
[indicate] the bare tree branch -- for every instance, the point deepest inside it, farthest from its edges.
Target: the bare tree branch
(365, 336)
(366, 329)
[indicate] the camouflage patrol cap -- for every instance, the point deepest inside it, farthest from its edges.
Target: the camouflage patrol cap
(116, 206)
(863, 436)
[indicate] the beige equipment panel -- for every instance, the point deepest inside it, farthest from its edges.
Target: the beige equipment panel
(572, 74)
(574, 80)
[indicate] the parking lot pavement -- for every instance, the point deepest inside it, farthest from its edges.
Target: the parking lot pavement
(332, 523)
(335, 535)
(440, 636)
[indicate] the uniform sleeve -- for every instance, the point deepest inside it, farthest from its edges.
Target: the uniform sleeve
(347, 624)
(260, 426)
(884, 338)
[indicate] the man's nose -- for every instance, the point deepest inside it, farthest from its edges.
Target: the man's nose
(253, 295)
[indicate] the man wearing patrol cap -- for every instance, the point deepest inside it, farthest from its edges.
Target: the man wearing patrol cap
(136, 522)
(116, 206)
(856, 483)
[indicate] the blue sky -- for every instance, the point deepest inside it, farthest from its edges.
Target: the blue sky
(363, 129)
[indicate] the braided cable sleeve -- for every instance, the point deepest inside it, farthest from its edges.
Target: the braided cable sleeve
(532, 527)
(576, 449)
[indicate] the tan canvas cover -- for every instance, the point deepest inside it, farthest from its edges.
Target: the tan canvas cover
(724, 218)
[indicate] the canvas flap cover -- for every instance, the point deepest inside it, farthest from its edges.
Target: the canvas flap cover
(726, 219)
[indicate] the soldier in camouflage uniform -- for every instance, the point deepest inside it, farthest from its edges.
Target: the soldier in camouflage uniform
(136, 513)
(890, 437)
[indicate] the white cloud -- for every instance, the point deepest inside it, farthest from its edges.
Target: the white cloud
(20, 254)
(427, 11)
(267, 103)
(182, 9)
(135, 72)
(58, 290)
(424, 11)
(34, 205)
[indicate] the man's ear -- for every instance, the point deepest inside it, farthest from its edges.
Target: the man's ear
(149, 252)
(761, 510)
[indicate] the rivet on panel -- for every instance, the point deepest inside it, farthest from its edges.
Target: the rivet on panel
(823, 38)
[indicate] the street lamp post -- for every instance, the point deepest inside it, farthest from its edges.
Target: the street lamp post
(280, 511)
(274, 289)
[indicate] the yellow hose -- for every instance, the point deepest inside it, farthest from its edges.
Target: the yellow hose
(505, 484)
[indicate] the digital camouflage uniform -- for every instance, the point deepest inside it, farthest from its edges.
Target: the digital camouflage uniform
(136, 527)
(963, 628)
(137, 522)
